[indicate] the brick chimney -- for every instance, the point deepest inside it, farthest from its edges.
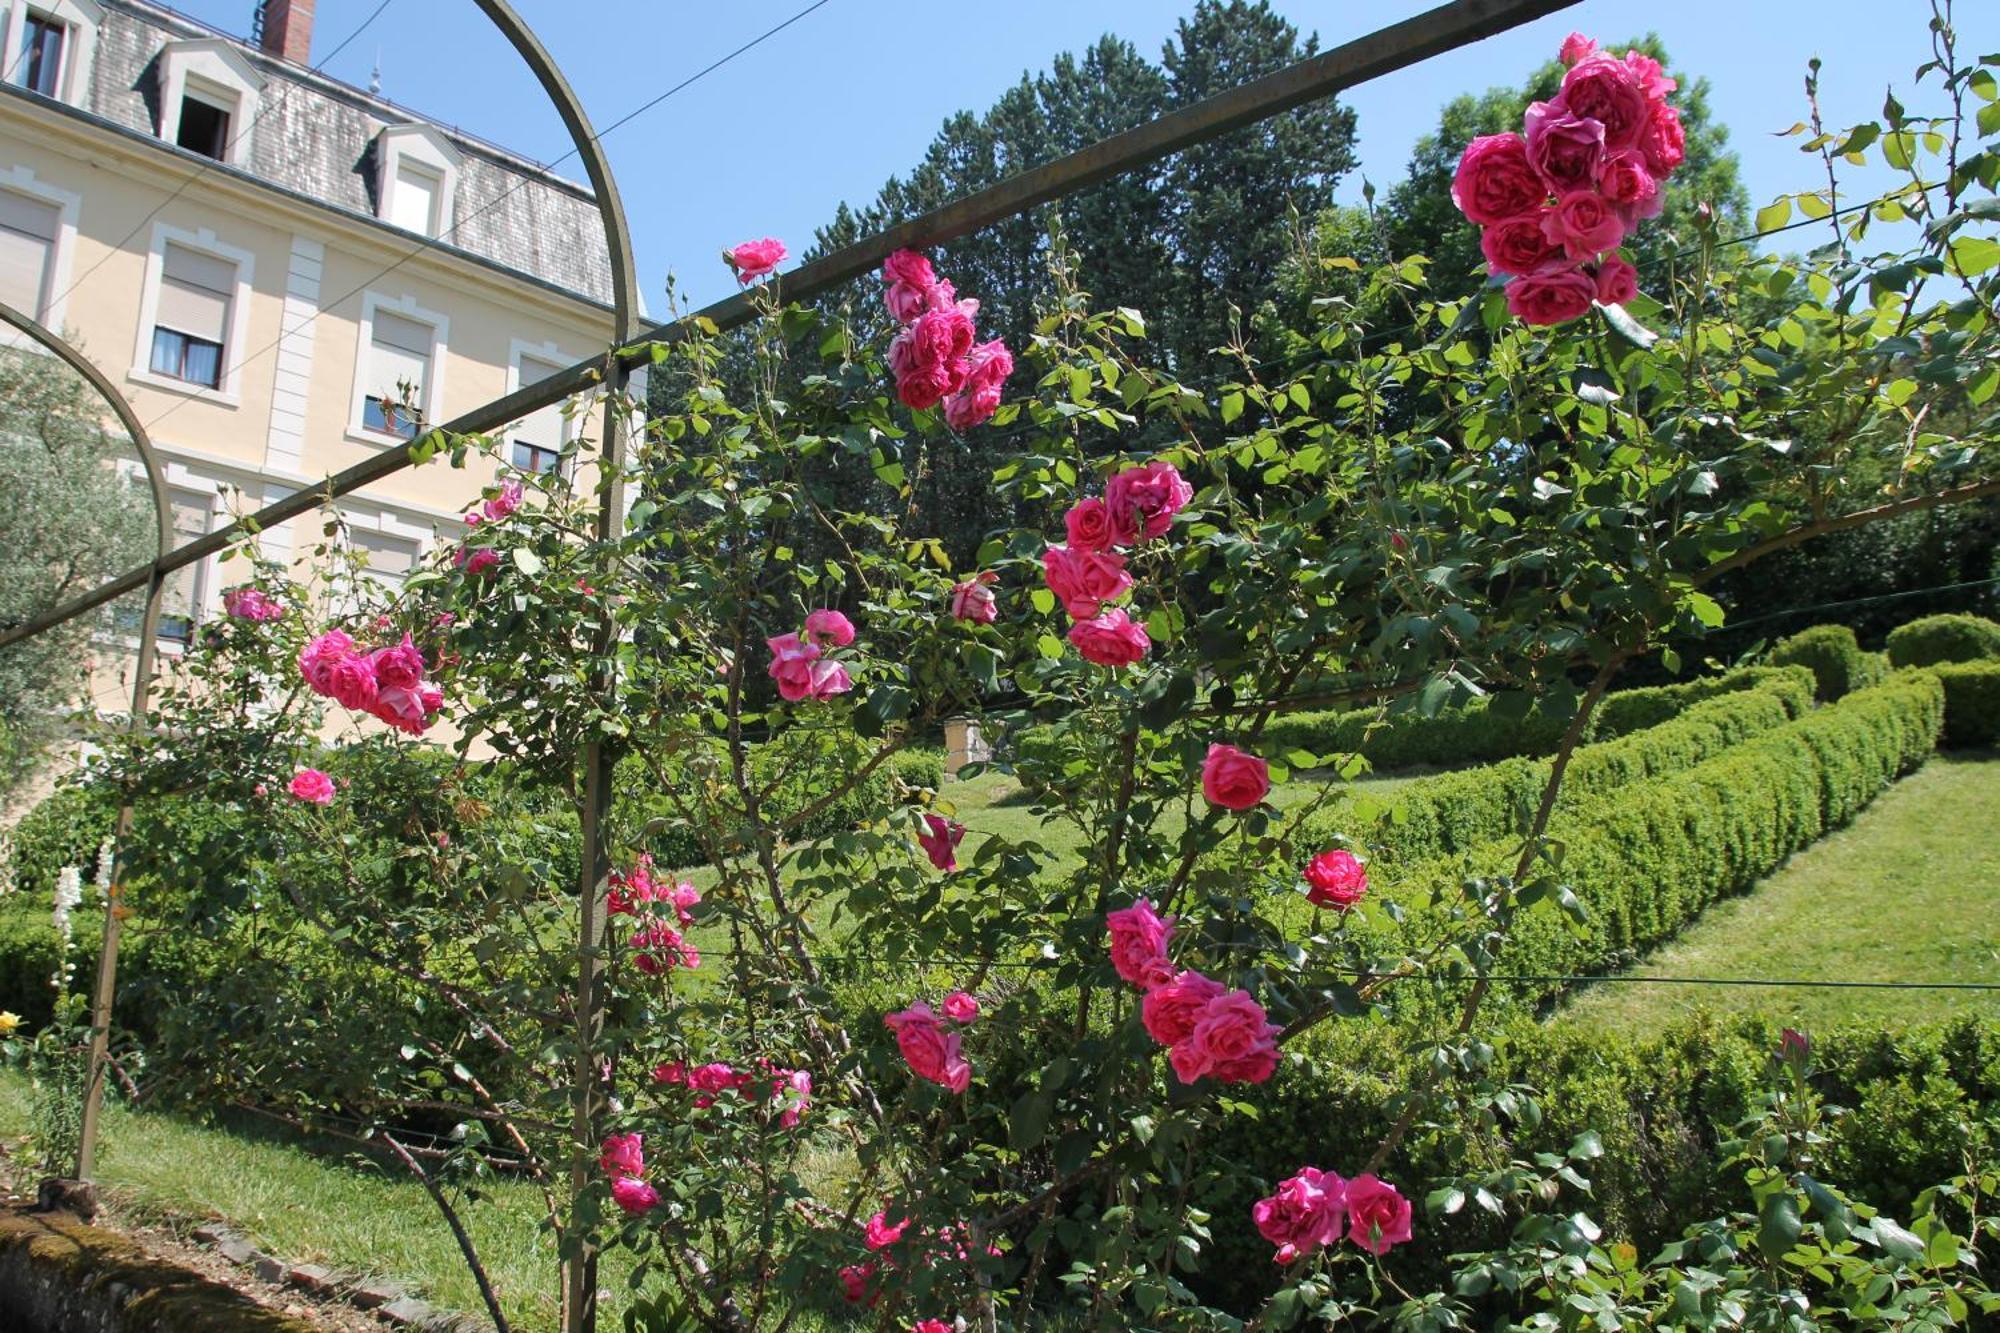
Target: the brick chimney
(288, 29)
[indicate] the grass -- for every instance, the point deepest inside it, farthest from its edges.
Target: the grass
(304, 1207)
(1909, 892)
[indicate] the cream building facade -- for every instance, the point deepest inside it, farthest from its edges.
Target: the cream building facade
(276, 268)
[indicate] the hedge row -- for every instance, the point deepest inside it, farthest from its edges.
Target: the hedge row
(1626, 711)
(1646, 864)
(1834, 656)
(1924, 1101)
(1455, 812)
(1971, 703)
(1470, 734)
(1931, 640)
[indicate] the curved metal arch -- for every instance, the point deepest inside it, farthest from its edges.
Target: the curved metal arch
(142, 683)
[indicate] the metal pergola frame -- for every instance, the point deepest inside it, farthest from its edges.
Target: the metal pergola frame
(1396, 46)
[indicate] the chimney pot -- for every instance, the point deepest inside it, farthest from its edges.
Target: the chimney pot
(288, 29)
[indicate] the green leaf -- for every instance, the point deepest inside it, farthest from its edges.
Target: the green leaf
(1896, 1242)
(1973, 255)
(1778, 1224)
(1774, 214)
(527, 561)
(1232, 406)
(1028, 1122)
(1706, 609)
(1625, 326)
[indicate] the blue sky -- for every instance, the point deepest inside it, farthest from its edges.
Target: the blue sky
(852, 93)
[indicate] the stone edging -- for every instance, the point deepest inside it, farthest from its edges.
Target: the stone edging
(388, 1301)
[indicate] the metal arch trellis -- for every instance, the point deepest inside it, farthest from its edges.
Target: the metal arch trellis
(1394, 47)
(142, 682)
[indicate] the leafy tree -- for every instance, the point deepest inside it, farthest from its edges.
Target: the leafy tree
(68, 520)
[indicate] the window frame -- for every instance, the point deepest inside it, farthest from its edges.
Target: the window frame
(79, 20)
(227, 391)
(214, 73)
(430, 408)
(49, 310)
(426, 149)
(542, 354)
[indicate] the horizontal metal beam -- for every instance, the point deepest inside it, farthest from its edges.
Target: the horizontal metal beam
(1395, 47)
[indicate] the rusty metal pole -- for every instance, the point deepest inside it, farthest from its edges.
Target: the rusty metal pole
(579, 1271)
(105, 989)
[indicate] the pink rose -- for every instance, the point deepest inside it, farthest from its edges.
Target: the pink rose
(827, 679)
(931, 1050)
(753, 259)
(1305, 1214)
(251, 604)
(973, 600)
(960, 1007)
(1585, 224)
(475, 562)
(401, 666)
(1139, 938)
(1084, 580)
(1110, 639)
(1605, 89)
(940, 841)
(931, 1326)
(854, 1282)
(309, 784)
(1625, 181)
(1794, 1046)
(879, 1235)
(1143, 501)
(1088, 524)
(1232, 1041)
(908, 281)
(1663, 141)
(351, 680)
(684, 896)
(317, 660)
(1564, 148)
(657, 947)
(1335, 878)
(623, 1155)
(633, 1195)
(987, 367)
(1170, 1011)
(1378, 1217)
(672, 1073)
(1551, 298)
(1617, 281)
(1520, 245)
(1496, 181)
(1652, 79)
(406, 710)
(504, 503)
(1234, 779)
(929, 357)
(829, 627)
(1575, 47)
(791, 666)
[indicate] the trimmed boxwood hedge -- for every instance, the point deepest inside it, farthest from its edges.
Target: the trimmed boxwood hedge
(1470, 734)
(1931, 640)
(1971, 703)
(1924, 1100)
(1455, 812)
(1625, 711)
(1645, 864)
(1834, 656)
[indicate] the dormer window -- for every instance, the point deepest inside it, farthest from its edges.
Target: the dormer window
(417, 176)
(208, 99)
(49, 45)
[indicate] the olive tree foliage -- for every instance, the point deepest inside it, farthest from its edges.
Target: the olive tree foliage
(1465, 506)
(69, 518)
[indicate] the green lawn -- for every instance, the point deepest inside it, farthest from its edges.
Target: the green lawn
(1909, 892)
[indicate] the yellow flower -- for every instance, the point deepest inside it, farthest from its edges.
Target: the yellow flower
(10, 1023)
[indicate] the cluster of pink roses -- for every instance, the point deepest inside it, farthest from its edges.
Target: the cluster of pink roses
(931, 1049)
(656, 946)
(1308, 1212)
(879, 1235)
(1088, 571)
(1335, 878)
(789, 1089)
(310, 785)
(624, 1160)
(476, 560)
(1556, 202)
(248, 603)
(387, 684)
(1209, 1029)
(799, 663)
(935, 356)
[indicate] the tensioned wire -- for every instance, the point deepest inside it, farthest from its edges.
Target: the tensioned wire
(431, 242)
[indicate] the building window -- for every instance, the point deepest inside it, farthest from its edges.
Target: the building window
(28, 229)
(187, 587)
(538, 438)
(413, 197)
(399, 375)
(204, 127)
(39, 68)
(390, 560)
(191, 316)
